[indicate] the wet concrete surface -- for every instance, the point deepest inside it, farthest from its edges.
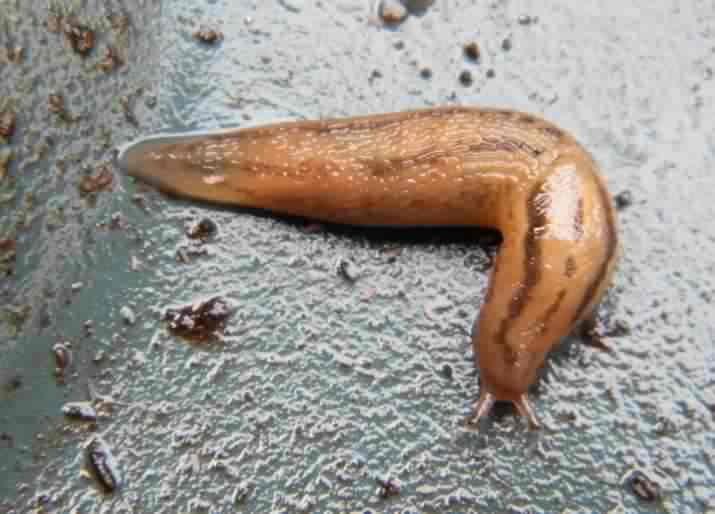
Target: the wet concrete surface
(321, 388)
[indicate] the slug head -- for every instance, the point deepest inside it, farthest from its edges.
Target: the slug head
(486, 402)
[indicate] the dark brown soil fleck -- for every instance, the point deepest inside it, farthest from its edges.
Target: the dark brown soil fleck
(466, 79)
(79, 37)
(200, 322)
(203, 230)
(7, 123)
(388, 487)
(643, 487)
(7, 245)
(100, 181)
(623, 199)
(392, 12)
(471, 50)
(207, 36)
(63, 359)
(593, 335)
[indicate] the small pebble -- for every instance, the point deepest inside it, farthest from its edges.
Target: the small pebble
(525, 19)
(388, 487)
(376, 74)
(102, 465)
(392, 12)
(506, 44)
(426, 73)
(346, 269)
(447, 372)
(471, 50)
(63, 357)
(623, 199)
(490, 73)
(208, 36)
(128, 315)
(204, 229)
(83, 411)
(465, 78)
(77, 286)
(199, 322)
(417, 6)
(643, 487)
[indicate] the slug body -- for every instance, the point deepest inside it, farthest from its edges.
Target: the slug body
(492, 168)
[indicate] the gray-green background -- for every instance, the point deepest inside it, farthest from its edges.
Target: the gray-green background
(320, 386)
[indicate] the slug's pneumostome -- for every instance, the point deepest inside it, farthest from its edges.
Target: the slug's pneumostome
(499, 169)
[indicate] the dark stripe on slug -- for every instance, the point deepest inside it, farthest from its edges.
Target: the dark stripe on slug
(552, 131)
(571, 267)
(532, 268)
(369, 123)
(552, 310)
(610, 243)
(532, 252)
(492, 144)
(578, 219)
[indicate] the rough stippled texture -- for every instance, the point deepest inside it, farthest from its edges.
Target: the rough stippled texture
(324, 385)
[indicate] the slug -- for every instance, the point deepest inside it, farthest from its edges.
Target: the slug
(468, 166)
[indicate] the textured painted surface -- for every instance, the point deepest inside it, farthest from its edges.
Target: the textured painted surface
(320, 386)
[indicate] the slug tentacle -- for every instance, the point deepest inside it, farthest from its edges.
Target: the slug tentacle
(481, 407)
(494, 168)
(524, 408)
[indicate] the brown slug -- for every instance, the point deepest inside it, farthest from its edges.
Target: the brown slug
(492, 168)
